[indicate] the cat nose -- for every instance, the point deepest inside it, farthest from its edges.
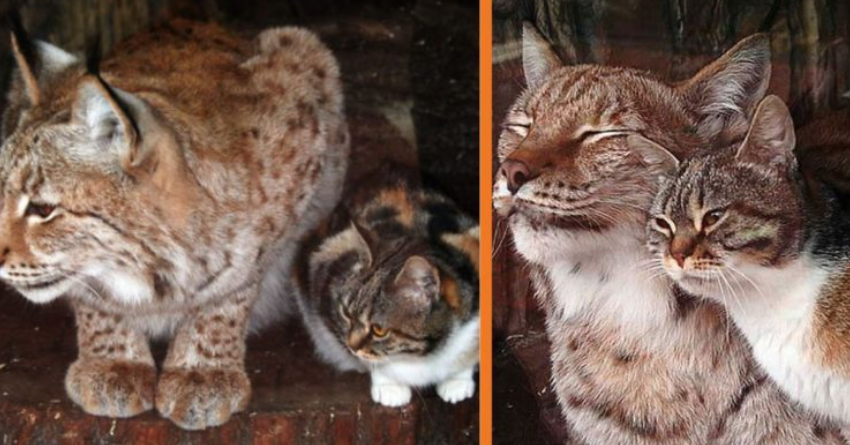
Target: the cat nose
(517, 173)
(680, 258)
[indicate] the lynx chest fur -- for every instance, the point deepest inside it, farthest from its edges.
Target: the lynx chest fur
(165, 190)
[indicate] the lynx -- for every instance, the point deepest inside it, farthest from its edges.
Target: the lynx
(163, 193)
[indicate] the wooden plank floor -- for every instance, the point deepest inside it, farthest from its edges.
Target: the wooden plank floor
(296, 400)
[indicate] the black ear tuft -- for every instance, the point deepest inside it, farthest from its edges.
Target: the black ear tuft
(93, 55)
(16, 25)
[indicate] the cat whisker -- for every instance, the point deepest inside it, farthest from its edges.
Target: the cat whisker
(750, 280)
(735, 297)
(726, 311)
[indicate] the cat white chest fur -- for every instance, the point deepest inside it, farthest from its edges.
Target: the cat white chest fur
(777, 321)
(451, 368)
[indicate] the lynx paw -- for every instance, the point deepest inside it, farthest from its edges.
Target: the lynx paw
(111, 388)
(195, 399)
(390, 394)
(455, 390)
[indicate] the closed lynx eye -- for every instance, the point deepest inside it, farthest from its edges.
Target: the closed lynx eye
(711, 218)
(519, 129)
(591, 135)
(379, 331)
(38, 209)
(663, 225)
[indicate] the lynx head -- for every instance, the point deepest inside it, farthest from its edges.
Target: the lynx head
(382, 298)
(725, 216)
(581, 148)
(77, 159)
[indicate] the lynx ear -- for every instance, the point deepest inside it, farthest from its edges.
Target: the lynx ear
(724, 94)
(770, 141)
(106, 114)
(36, 63)
(538, 57)
(121, 127)
(418, 281)
(652, 154)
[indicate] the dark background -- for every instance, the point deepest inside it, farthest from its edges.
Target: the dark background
(410, 74)
(673, 38)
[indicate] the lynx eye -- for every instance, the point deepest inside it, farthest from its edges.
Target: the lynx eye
(379, 331)
(711, 218)
(664, 225)
(39, 209)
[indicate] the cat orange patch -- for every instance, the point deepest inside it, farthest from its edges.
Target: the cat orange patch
(450, 293)
(832, 325)
(467, 244)
(398, 198)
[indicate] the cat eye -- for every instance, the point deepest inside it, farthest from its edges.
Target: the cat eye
(38, 209)
(711, 218)
(379, 331)
(662, 224)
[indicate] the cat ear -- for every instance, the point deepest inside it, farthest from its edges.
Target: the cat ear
(362, 246)
(538, 58)
(36, 62)
(418, 281)
(724, 94)
(771, 138)
(652, 154)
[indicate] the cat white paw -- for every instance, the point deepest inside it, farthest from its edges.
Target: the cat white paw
(455, 390)
(389, 394)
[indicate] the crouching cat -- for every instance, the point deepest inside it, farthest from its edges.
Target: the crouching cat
(390, 287)
(745, 227)
(162, 192)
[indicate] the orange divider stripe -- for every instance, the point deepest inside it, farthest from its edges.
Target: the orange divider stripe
(485, 170)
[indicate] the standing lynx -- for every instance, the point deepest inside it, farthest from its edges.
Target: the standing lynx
(163, 194)
(634, 362)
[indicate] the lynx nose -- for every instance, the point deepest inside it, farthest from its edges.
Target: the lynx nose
(680, 258)
(517, 172)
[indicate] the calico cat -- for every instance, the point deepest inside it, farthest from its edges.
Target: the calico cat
(155, 191)
(390, 287)
(634, 361)
(744, 227)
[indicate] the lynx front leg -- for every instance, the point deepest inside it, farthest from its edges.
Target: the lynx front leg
(203, 379)
(114, 374)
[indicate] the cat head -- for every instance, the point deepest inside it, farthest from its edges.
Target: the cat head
(725, 216)
(77, 156)
(383, 299)
(581, 148)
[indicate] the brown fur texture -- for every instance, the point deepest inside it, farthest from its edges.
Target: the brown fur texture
(165, 196)
(634, 362)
